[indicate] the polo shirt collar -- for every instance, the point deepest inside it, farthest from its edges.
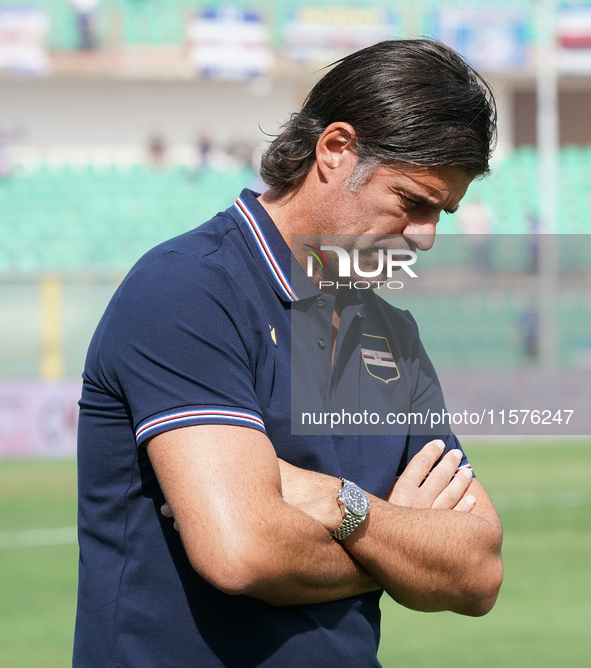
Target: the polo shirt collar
(268, 247)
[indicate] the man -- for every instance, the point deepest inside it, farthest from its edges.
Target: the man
(187, 399)
(85, 15)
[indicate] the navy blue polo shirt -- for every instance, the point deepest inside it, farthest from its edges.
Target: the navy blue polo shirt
(381, 382)
(199, 332)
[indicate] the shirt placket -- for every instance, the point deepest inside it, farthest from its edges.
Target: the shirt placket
(344, 369)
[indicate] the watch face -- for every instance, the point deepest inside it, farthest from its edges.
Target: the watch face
(355, 500)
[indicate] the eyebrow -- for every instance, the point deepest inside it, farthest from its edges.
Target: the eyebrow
(426, 201)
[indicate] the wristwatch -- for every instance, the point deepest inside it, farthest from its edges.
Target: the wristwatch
(356, 506)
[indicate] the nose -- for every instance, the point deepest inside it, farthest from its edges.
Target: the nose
(422, 235)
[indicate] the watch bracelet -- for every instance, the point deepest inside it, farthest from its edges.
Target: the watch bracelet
(350, 521)
(348, 526)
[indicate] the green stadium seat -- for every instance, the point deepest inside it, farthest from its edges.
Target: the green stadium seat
(89, 220)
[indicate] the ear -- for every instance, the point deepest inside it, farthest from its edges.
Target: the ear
(335, 153)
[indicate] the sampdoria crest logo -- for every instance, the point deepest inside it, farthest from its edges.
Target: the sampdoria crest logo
(378, 359)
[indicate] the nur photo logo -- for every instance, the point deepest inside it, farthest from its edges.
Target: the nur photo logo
(386, 262)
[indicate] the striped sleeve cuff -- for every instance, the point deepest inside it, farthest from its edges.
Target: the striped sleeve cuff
(464, 466)
(192, 416)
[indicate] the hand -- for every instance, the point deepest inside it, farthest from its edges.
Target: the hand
(440, 489)
(313, 493)
(166, 510)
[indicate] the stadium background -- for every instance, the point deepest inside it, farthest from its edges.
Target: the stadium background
(125, 122)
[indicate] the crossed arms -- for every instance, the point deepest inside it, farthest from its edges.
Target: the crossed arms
(252, 524)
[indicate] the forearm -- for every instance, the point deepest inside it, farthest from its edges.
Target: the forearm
(306, 565)
(242, 535)
(430, 559)
(431, 546)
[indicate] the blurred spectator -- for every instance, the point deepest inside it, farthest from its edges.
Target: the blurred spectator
(157, 151)
(85, 17)
(242, 152)
(533, 246)
(211, 154)
(226, 158)
(530, 326)
(475, 219)
(203, 150)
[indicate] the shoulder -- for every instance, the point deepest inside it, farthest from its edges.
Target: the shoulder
(211, 250)
(185, 284)
(210, 263)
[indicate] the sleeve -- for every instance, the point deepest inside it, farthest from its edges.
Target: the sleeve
(175, 348)
(428, 400)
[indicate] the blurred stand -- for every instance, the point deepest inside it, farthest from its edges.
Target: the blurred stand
(92, 186)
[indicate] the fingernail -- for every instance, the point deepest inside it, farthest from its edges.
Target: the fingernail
(458, 453)
(470, 500)
(467, 473)
(440, 444)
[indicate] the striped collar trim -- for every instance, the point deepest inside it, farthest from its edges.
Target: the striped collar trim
(265, 249)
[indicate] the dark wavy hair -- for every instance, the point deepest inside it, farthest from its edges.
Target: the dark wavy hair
(413, 102)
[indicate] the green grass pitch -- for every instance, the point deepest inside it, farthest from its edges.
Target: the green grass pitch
(541, 619)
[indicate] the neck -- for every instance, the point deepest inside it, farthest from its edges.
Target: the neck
(289, 212)
(296, 213)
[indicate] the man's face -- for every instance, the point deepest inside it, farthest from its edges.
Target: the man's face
(405, 201)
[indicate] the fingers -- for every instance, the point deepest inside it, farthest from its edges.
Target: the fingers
(453, 494)
(166, 510)
(466, 504)
(420, 465)
(440, 477)
(423, 485)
